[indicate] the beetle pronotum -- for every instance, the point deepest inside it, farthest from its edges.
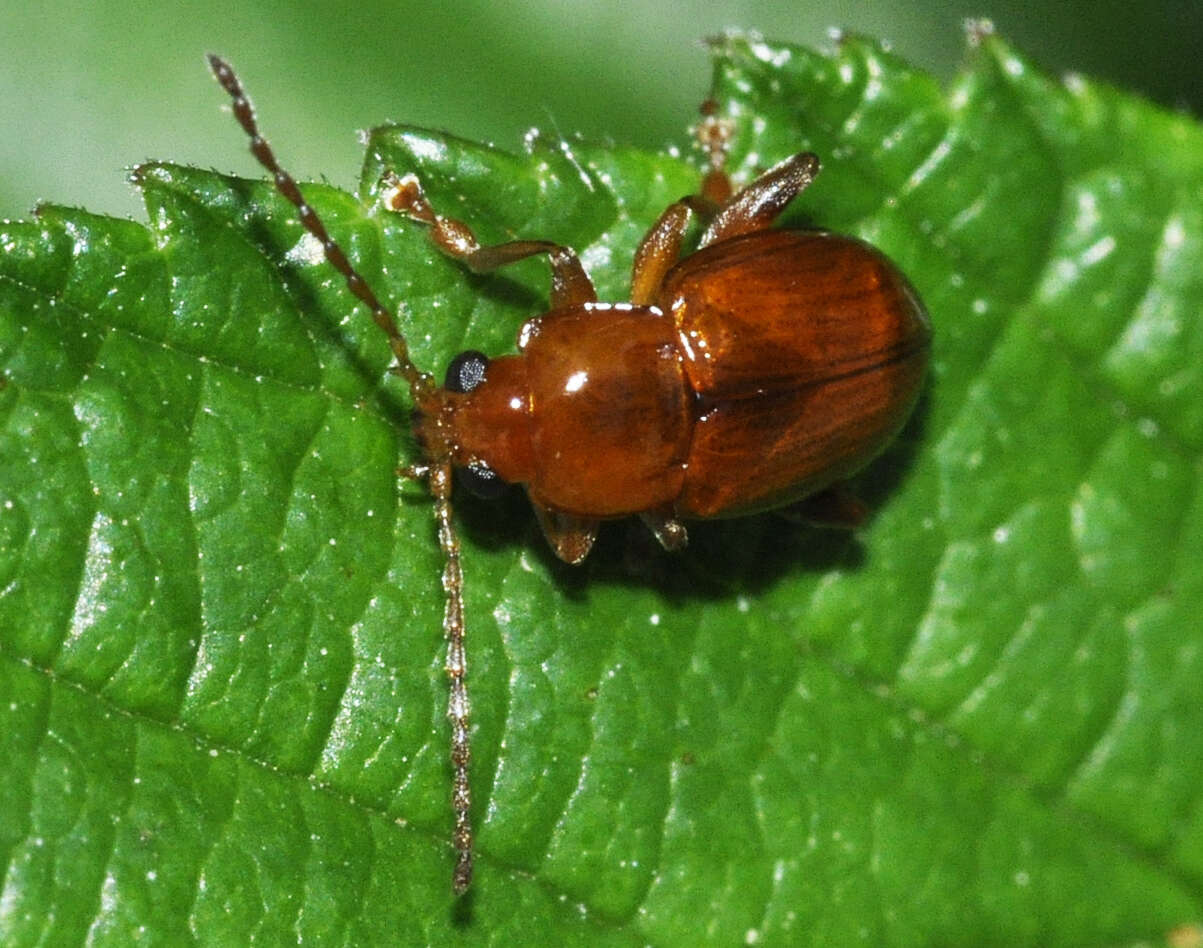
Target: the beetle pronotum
(759, 371)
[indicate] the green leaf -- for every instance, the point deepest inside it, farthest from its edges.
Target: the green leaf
(975, 722)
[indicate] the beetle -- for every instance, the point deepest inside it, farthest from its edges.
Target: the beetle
(759, 371)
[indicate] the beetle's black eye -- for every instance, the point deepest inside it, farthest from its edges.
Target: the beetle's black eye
(481, 480)
(466, 371)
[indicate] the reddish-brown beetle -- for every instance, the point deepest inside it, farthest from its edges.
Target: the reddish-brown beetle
(761, 370)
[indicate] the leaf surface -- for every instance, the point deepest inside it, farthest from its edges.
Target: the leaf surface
(976, 721)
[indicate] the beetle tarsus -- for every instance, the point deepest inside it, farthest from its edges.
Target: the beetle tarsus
(667, 529)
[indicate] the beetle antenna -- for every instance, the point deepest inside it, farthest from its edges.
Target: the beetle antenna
(439, 479)
(437, 473)
(420, 383)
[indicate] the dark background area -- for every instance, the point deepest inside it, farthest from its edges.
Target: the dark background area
(90, 89)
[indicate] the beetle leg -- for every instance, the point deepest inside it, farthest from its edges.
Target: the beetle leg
(658, 251)
(570, 285)
(759, 204)
(836, 507)
(714, 135)
(667, 529)
(570, 537)
(661, 245)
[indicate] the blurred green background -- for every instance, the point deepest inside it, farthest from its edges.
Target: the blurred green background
(89, 89)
